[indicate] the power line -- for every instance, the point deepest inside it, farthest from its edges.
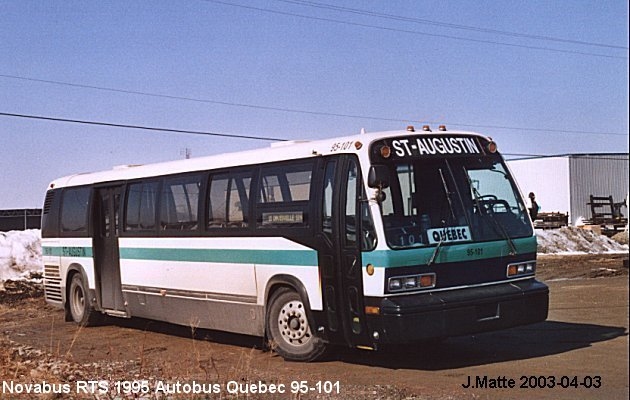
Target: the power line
(148, 128)
(308, 112)
(266, 10)
(445, 24)
(235, 136)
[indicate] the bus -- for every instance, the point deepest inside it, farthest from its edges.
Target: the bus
(363, 241)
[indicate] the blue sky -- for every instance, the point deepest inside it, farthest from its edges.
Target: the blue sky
(282, 68)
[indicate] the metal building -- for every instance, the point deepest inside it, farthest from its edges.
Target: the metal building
(565, 183)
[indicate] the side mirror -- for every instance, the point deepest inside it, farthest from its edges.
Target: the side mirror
(378, 177)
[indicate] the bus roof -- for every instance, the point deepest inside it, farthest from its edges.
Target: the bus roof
(278, 151)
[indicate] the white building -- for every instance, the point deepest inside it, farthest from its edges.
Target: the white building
(564, 183)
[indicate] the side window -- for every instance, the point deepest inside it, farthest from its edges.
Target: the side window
(141, 204)
(327, 199)
(285, 183)
(359, 224)
(228, 200)
(179, 203)
(284, 194)
(74, 210)
(351, 205)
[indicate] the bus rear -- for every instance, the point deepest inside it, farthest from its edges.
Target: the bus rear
(459, 251)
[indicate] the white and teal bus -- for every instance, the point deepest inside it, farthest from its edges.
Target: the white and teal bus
(366, 240)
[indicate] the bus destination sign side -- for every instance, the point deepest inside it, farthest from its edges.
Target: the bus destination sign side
(435, 146)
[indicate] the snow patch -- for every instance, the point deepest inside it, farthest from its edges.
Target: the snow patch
(20, 254)
(572, 240)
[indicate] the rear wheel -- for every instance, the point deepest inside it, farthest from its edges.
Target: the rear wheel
(289, 330)
(79, 303)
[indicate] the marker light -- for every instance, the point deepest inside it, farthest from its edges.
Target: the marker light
(410, 128)
(369, 269)
(492, 147)
(426, 128)
(442, 128)
(358, 145)
(386, 151)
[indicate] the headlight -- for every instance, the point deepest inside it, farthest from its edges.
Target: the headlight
(411, 282)
(519, 269)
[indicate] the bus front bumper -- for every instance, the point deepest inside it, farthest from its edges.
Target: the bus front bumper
(441, 314)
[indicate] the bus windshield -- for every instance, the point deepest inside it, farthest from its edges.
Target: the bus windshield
(435, 201)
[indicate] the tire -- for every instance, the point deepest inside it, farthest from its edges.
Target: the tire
(79, 304)
(288, 328)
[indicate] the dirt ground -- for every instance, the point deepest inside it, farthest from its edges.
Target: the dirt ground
(581, 351)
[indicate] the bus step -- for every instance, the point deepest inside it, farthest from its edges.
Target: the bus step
(116, 313)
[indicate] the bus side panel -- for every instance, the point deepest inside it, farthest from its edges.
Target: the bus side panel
(214, 283)
(196, 310)
(308, 276)
(53, 279)
(62, 257)
(211, 265)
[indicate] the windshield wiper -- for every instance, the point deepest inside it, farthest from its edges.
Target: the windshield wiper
(499, 228)
(448, 194)
(436, 251)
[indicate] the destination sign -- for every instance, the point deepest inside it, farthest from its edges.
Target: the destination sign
(449, 234)
(285, 217)
(416, 146)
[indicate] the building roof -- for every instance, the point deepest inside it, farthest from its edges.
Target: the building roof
(612, 156)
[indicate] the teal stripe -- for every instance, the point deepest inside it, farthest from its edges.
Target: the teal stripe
(272, 257)
(448, 253)
(67, 251)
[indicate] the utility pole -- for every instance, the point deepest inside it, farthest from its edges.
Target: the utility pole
(186, 152)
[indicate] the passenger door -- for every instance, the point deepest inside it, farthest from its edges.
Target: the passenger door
(340, 259)
(106, 255)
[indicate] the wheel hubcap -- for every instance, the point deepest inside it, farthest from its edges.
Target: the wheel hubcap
(293, 325)
(78, 301)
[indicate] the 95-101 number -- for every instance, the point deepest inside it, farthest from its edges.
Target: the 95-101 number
(341, 146)
(320, 387)
(474, 252)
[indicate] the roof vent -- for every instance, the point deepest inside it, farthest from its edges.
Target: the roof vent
(125, 166)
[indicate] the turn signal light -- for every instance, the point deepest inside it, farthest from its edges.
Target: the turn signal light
(372, 310)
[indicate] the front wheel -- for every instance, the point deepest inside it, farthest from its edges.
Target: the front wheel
(289, 330)
(79, 304)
